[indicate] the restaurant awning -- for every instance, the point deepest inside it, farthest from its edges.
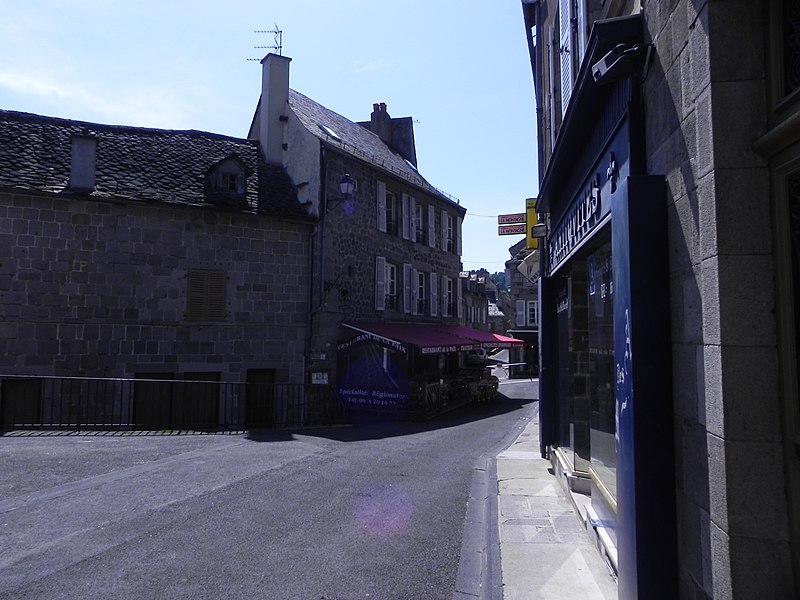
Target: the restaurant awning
(487, 339)
(431, 338)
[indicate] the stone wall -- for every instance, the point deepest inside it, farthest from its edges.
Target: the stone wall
(705, 106)
(99, 288)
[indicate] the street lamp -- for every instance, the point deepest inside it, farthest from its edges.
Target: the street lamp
(347, 187)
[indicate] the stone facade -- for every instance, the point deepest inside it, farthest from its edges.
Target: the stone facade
(98, 288)
(720, 114)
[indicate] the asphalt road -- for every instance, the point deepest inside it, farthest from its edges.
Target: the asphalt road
(372, 513)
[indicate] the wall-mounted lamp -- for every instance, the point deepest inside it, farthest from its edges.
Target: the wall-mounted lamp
(347, 187)
(539, 231)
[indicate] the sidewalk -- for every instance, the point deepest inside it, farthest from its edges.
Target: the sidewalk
(545, 551)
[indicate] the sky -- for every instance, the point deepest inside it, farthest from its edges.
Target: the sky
(460, 69)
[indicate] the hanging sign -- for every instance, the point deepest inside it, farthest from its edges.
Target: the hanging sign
(513, 219)
(512, 229)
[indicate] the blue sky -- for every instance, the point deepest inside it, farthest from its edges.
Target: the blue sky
(460, 69)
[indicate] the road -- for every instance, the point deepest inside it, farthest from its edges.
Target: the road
(341, 514)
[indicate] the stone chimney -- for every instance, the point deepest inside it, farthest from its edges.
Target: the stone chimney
(274, 107)
(380, 123)
(83, 163)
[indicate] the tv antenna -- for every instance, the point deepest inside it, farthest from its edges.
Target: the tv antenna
(277, 44)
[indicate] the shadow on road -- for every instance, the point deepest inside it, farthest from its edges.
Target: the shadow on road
(371, 430)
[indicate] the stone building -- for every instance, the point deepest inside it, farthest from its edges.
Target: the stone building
(668, 160)
(130, 252)
(523, 311)
(387, 249)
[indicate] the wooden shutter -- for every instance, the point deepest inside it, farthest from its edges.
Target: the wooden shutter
(459, 308)
(431, 226)
(458, 235)
(434, 294)
(407, 283)
(380, 283)
(381, 206)
(443, 295)
(405, 201)
(415, 292)
(521, 313)
(206, 295)
(566, 50)
(413, 220)
(444, 230)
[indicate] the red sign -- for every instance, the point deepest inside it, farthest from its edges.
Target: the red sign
(515, 219)
(511, 229)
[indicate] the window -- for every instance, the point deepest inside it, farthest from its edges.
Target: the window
(391, 213)
(419, 223)
(533, 313)
(227, 178)
(449, 230)
(421, 294)
(390, 281)
(447, 297)
(206, 295)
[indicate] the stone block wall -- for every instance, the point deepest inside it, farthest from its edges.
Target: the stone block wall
(99, 288)
(705, 98)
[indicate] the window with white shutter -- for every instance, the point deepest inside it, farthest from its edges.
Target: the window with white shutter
(380, 283)
(381, 206)
(459, 308)
(431, 226)
(407, 287)
(406, 201)
(566, 51)
(521, 315)
(434, 293)
(414, 216)
(459, 248)
(444, 230)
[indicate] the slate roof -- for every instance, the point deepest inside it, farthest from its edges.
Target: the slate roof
(356, 140)
(136, 163)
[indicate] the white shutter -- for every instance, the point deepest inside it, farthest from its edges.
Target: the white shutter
(458, 236)
(414, 291)
(407, 288)
(434, 294)
(566, 50)
(459, 310)
(406, 203)
(380, 283)
(381, 203)
(444, 230)
(431, 226)
(412, 222)
(443, 295)
(521, 313)
(582, 33)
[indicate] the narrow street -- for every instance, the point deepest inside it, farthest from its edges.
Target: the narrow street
(352, 513)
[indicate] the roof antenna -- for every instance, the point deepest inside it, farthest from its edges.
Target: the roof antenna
(277, 40)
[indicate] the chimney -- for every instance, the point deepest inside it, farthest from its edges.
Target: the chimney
(380, 123)
(83, 163)
(274, 107)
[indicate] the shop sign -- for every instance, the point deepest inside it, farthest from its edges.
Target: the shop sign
(520, 229)
(513, 219)
(579, 222)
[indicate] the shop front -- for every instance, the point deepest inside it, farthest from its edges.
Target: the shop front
(605, 381)
(412, 370)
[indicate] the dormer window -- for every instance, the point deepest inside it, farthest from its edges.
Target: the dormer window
(228, 179)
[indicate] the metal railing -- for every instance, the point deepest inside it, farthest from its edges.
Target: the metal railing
(81, 403)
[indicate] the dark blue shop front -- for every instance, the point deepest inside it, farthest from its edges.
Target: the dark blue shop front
(606, 399)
